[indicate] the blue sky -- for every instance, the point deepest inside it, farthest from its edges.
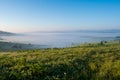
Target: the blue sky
(60, 15)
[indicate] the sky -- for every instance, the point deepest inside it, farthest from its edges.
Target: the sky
(59, 15)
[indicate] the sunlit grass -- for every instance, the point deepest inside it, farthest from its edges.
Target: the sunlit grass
(87, 62)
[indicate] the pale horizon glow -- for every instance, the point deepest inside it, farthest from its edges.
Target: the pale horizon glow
(59, 15)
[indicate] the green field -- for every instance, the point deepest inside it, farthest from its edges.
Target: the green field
(95, 61)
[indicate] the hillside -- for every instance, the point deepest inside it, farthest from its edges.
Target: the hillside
(3, 33)
(12, 46)
(87, 62)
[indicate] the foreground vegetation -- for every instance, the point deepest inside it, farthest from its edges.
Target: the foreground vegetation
(100, 61)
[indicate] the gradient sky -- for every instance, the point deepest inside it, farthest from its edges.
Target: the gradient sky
(50, 15)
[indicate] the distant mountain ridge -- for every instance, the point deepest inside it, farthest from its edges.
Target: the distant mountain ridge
(4, 33)
(101, 31)
(89, 31)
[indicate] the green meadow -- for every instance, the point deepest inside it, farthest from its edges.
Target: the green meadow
(94, 61)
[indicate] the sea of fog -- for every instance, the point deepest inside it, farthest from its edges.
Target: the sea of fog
(60, 39)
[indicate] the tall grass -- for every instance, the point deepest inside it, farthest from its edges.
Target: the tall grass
(86, 62)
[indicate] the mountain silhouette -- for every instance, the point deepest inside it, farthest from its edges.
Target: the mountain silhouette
(4, 33)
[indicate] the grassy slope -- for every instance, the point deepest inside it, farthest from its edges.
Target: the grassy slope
(87, 62)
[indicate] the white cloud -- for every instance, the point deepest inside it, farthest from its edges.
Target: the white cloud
(3, 27)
